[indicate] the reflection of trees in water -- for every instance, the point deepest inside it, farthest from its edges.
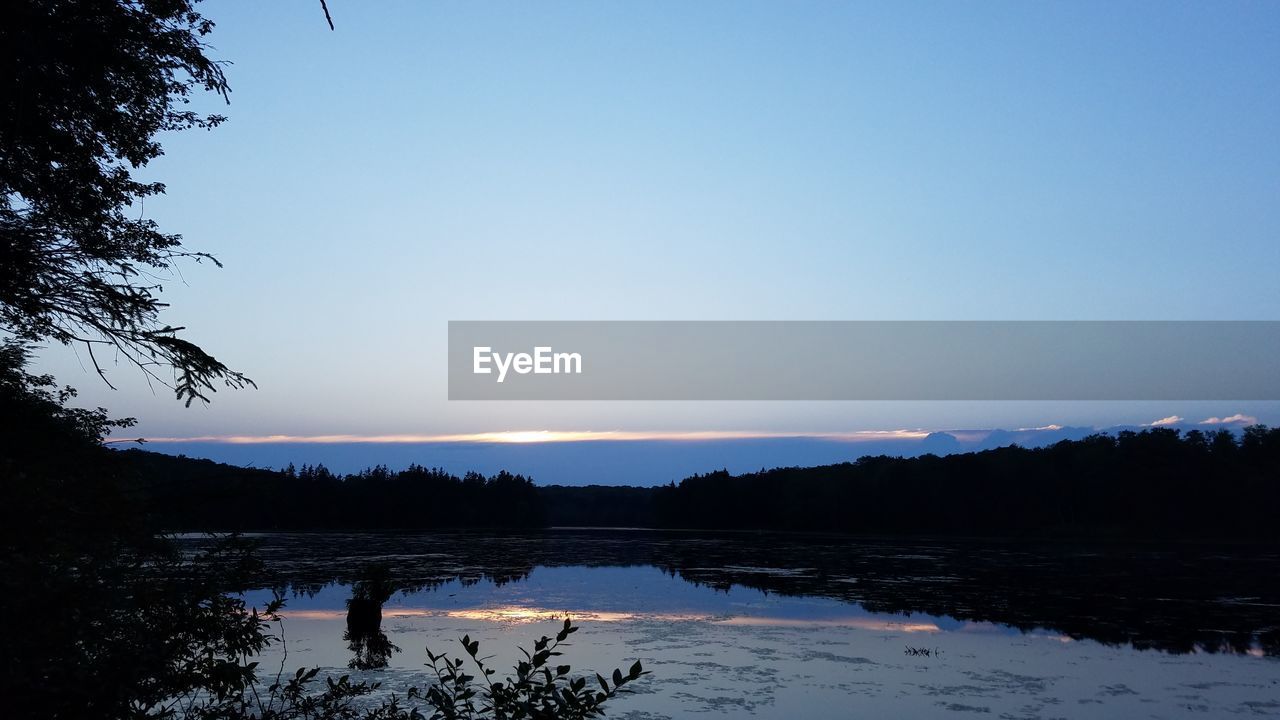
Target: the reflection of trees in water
(369, 646)
(370, 651)
(1176, 599)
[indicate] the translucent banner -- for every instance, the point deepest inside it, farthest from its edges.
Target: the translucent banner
(864, 360)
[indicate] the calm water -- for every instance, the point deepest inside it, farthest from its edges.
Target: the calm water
(775, 626)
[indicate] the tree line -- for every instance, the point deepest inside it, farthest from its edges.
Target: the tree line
(1154, 483)
(187, 494)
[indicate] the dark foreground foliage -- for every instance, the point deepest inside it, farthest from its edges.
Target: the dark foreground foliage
(541, 687)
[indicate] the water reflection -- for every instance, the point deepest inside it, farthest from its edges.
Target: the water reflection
(1177, 599)
(369, 645)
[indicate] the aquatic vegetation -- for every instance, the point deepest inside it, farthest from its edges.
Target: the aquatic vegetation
(539, 689)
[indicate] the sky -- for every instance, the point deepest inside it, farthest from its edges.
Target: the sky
(431, 161)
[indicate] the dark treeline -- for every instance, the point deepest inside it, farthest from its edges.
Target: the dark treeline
(1157, 482)
(1154, 483)
(187, 494)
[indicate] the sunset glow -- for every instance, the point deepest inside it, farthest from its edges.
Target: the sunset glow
(555, 436)
(508, 614)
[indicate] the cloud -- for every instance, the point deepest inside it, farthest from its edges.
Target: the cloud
(1171, 420)
(539, 436)
(1236, 419)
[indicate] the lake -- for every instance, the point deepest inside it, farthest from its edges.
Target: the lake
(788, 626)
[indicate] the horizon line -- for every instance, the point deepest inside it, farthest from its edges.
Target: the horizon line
(525, 437)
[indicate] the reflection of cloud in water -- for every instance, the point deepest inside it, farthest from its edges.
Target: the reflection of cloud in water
(858, 623)
(523, 614)
(507, 614)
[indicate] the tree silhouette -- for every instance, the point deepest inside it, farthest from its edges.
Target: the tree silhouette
(85, 87)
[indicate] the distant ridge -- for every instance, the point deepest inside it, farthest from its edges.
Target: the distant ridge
(634, 462)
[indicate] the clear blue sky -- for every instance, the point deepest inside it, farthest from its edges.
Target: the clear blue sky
(431, 161)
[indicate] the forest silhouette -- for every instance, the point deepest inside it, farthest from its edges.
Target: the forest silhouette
(1157, 483)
